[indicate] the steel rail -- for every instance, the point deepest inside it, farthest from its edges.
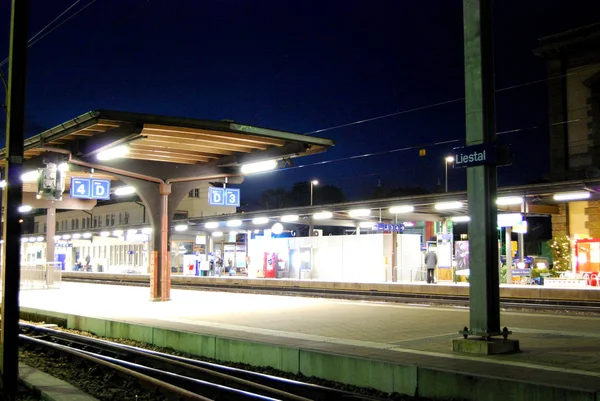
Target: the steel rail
(184, 394)
(284, 389)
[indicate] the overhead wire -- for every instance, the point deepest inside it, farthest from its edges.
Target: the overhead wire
(36, 38)
(443, 103)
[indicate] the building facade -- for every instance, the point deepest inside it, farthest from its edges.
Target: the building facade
(114, 237)
(573, 60)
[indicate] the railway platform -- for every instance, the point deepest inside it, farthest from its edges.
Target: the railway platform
(391, 347)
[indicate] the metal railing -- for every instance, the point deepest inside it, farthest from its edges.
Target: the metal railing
(39, 275)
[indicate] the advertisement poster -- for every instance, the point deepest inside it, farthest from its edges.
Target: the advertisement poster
(461, 255)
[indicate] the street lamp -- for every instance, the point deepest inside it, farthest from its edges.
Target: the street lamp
(448, 159)
(312, 184)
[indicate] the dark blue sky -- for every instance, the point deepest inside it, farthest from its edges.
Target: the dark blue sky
(301, 66)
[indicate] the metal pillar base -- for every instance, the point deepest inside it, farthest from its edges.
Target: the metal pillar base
(485, 344)
(485, 334)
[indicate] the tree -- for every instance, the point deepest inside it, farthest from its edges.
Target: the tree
(275, 199)
(561, 253)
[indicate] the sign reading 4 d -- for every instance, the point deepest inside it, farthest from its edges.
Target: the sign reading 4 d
(90, 188)
(223, 196)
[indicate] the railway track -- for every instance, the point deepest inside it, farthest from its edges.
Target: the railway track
(178, 377)
(406, 298)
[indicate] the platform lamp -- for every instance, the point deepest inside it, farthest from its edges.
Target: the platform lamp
(448, 159)
(312, 184)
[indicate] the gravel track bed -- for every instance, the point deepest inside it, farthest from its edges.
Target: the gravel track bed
(109, 386)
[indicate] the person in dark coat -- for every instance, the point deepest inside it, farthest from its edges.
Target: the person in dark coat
(430, 263)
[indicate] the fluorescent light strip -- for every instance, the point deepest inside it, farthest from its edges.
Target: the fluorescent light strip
(402, 209)
(576, 195)
(448, 205)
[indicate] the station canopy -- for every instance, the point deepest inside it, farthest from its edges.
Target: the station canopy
(164, 147)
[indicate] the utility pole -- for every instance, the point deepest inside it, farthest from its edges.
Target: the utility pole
(484, 292)
(12, 198)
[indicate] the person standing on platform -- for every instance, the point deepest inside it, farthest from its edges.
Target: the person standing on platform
(430, 263)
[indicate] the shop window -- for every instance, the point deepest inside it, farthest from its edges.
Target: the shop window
(45, 228)
(107, 220)
(126, 218)
(120, 218)
(95, 221)
(77, 224)
(36, 227)
(112, 219)
(72, 224)
(56, 226)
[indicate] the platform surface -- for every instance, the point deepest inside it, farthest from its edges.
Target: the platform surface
(560, 348)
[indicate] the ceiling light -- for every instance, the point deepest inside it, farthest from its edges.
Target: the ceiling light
(256, 231)
(359, 213)
(461, 219)
(322, 215)
(66, 236)
(31, 239)
(289, 217)
(30, 176)
(23, 239)
(127, 190)
(56, 237)
(260, 220)
(211, 224)
(131, 231)
(40, 239)
(181, 227)
(576, 195)
(234, 223)
(147, 230)
(509, 200)
(87, 235)
(366, 224)
(76, 236)
(63, 167)
(117, 233)
(2, 183)
(448, 205)
(104, 233)
(408, 224)
(113, 153)
(258, 167)
(25, 208)
(402, 209)
(217, 234)
(277, 228)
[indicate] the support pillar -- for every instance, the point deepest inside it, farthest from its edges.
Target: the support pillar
(11, 200)
(50, 232)
(484, 290)
(509, 255)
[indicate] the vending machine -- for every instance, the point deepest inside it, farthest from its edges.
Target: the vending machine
(270, 264)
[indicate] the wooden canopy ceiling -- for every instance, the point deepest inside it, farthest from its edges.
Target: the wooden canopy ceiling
(166, 139)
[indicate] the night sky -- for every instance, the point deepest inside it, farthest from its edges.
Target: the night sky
(302, 66)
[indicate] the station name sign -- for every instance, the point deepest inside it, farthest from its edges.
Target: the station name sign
(388, 227)
(477, 155)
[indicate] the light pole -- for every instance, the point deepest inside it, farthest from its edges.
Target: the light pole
(448, 159)
(312, 184)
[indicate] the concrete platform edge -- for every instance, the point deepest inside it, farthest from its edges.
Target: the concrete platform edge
(384, 376)
(51, 388)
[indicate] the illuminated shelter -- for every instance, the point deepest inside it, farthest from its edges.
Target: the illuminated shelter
(164, 158)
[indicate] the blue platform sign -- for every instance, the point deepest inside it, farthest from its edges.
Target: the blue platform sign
(216, 197)
(484, 153)
(223, 196)
(232, 197)
(81, 188)
(90, 188)
(388, 227)
(100, 189)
